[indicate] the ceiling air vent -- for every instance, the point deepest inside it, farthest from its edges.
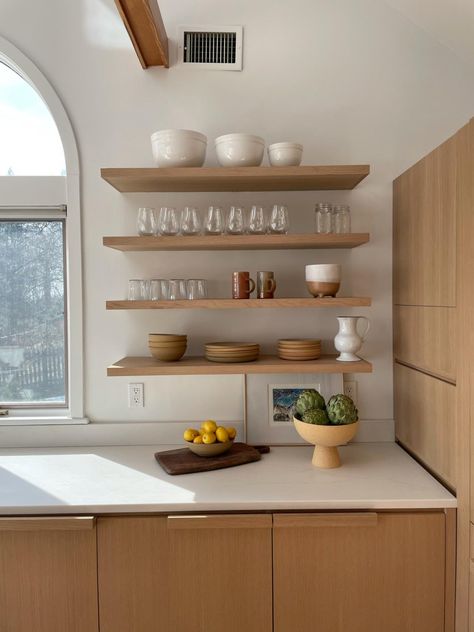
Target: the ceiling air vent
(211, 47)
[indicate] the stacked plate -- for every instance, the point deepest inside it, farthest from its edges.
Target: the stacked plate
(232, 351)
(299, 349)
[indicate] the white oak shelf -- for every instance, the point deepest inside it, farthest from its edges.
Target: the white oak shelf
(249, 303)
(237, 242)
(196, 365)
(303, 178)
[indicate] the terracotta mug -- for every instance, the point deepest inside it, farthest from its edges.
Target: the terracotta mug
(242, 285)
(266, 284)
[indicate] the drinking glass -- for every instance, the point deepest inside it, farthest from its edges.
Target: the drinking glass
(138, 290)
(279, 222)
(177, 289)
(214, 221)
(257, 222)
(342, 218)
(323, 212)
(190, 221)
(165, 289)
(156, 290)
(146, 221)
(196, 289)
(235, 221)
(169, 222)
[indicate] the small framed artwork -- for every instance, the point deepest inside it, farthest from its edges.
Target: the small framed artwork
(270, 404)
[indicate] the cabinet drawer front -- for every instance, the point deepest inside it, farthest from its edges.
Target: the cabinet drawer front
(363, 519)
(243, 521)
(73, 523)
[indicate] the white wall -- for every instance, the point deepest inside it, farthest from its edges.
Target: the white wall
(351, 79)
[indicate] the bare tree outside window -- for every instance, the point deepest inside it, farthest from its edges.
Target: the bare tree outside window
(32, 305)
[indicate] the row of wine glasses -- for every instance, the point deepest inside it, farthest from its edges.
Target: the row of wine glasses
(166, 289)
(170, 222)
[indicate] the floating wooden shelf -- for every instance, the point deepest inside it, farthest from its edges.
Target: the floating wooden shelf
(193, 365)
(251, 303)
(237, 242)
(315, 178)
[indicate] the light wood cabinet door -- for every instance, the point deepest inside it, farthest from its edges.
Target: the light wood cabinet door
(48, 571)
(189, 574)
(359, 572)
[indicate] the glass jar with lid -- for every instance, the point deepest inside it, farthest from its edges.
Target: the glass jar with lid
(342, 218)
(323, 217)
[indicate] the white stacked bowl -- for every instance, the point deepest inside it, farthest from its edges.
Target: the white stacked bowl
(285, 154)
(239, 150)
(178, 148)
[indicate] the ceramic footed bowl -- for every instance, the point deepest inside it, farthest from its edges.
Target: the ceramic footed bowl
(326, 439)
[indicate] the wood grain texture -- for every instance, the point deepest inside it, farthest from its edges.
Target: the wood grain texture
(226, 521)
(183, 461)
(245, 303)
(237, 242)
(304, 178)
(450, 565)
(425, 338)
(424, 230)
(388, 578)
(153, 578)
(465, 369)
(142, 19)
(425, 419)
(48, 580)
(196, 365)
(60, 523)
(363, 519)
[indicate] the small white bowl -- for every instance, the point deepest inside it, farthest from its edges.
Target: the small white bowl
(326, 272)
(178, 148)
(285, 154)
(239, 150)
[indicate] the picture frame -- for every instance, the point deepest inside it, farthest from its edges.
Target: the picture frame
(262, 428)
(282, 399)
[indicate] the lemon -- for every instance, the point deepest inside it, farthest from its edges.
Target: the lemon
(189, 434)
(231, 432)
(222, 434)
(197, 439)
(209, 425)
(209, 437)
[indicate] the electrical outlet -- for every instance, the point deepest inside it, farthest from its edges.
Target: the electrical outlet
(350, 389)
(135, 396)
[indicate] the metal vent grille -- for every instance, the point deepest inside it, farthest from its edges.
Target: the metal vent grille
(211, 46)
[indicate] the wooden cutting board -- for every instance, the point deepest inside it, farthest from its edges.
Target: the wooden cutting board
(183, 461)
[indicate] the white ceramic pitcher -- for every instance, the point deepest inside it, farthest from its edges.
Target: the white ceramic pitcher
(348, 341)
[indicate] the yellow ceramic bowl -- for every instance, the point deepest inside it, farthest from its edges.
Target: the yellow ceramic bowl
(168, 355)
(209, 449)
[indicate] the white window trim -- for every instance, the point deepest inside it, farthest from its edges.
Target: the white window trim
(53, 191)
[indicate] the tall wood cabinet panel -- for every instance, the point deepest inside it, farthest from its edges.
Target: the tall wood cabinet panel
(388, 575)
(192, 574)
(425, 338)
(425, 412)
(425, 230)
(49, 575)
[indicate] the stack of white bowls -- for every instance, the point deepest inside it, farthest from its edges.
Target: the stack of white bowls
(179, 148)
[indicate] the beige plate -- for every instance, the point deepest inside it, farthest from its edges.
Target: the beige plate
(299, 341)
(232, 345)
(231, 360)
(209, 449)
(231, 353)
(298, 358)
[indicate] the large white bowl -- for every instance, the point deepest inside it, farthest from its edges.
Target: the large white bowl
(178, 148)
(285, 154)
(239, 150)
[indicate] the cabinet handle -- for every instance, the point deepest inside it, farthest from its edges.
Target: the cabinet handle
(242, 521)
(69, 523)
(365, 519)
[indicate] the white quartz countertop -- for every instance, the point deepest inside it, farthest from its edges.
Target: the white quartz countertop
(124, 479)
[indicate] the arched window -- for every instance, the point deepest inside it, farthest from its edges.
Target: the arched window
(40, 255)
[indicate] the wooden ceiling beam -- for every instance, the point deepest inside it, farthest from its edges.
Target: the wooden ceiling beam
(142, 19)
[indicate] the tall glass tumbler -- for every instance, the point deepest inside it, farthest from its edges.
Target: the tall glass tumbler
(177, 289)
(146, 222)
(257, 221)
(190, 221)
(214, 221)
(235, 221)
(169, 221)
(279, 221)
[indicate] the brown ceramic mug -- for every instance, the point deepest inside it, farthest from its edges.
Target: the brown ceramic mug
(242, 285)
(266, 284)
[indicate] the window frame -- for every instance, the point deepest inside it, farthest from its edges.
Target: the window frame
(22, 195)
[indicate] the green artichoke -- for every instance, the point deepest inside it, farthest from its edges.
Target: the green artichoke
(309, 400)
(341, 410)
(316, 416)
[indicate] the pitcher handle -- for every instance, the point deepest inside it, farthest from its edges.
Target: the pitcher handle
(364, 335)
